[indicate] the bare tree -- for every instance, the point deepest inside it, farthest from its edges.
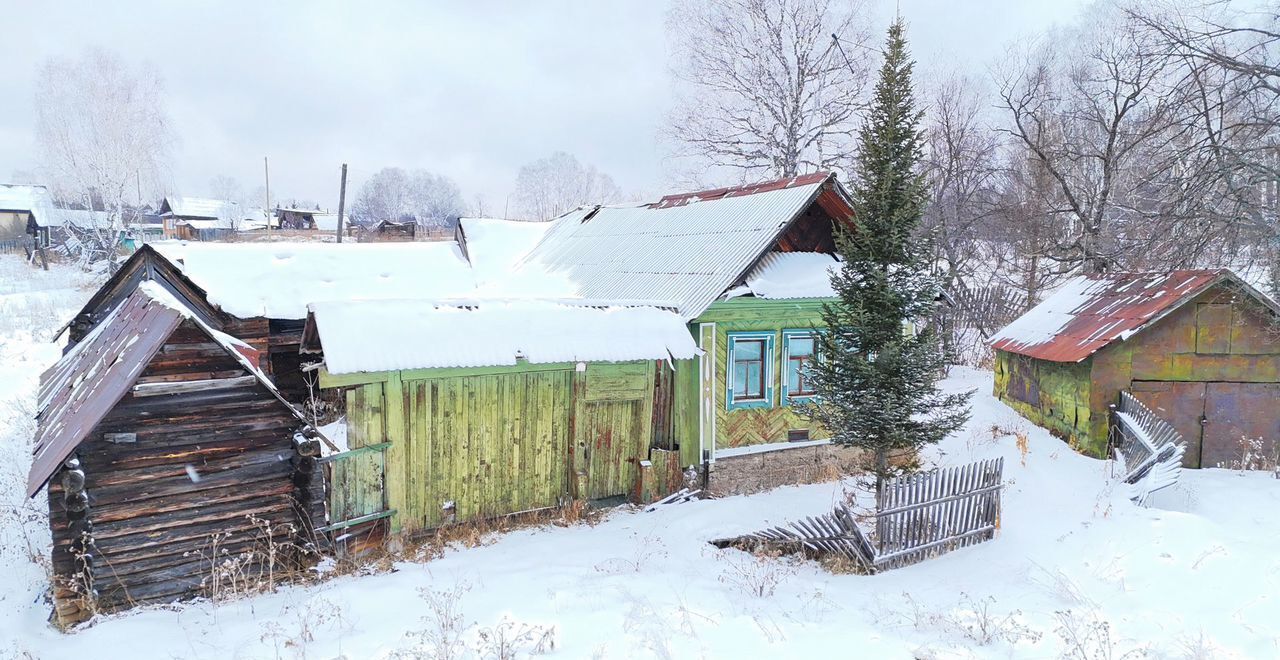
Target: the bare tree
(962, 165)
(766, 89)
(395, 194)
(1231, 56)
(1133, 138)
(549, 186)
(229, 190)
(103, 136)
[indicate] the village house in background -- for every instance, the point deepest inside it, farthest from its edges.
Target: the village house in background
(306, 219)
(1197, 347)
(30, 217)
(203, 219)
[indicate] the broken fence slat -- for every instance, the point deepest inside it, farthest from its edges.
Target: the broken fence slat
(923, 515)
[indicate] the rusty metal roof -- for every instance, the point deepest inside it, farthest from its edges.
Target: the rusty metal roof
(1091, 311)
(82, 388)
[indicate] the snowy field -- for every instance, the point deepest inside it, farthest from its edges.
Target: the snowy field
(1077, 571)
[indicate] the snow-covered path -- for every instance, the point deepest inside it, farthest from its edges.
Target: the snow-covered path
(1200, 572)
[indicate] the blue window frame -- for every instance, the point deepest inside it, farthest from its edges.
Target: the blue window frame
(799, 350)
(750, 381)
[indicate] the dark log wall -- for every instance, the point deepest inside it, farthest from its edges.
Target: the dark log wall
(203, 465)
(285, 338)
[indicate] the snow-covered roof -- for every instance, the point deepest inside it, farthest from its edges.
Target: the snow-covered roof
(78, 391)
(76, 218)
(325, 221)
(781, 275)
(1090, 311)
(207, 224)
(687, 248)
(277, 280)
(388, 335)
(495, 246)
(203, 208)
(32, 199)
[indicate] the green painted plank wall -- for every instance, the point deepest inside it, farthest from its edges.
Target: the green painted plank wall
(754, 426)
(495, 441)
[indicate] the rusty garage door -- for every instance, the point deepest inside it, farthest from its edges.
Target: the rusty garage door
(1214, 417)
(1234, 411)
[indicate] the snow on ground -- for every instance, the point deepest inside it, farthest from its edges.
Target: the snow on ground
(1198, 575)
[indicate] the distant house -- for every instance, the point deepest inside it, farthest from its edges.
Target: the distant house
(23, 207)
(204, 219)
(307, 219)
(390, 230)
(1197, 347)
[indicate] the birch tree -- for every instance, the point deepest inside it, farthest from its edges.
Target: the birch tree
(765, 90)
(396, 194)
(547, 187)
(104, 140)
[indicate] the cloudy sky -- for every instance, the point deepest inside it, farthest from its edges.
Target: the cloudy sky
(468, 89)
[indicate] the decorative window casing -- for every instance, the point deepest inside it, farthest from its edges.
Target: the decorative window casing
(751, 377)
(799, 351)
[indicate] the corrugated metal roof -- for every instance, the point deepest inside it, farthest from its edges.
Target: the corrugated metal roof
(82, 387)
(1089, 312)
(389, 335)
(686, 248)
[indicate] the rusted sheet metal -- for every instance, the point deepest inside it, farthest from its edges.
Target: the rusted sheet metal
(1092, 311)
(1239, 418)
(87, 383)
(681, 199)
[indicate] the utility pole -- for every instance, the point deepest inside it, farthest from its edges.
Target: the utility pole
(266, 173)
(342, 200)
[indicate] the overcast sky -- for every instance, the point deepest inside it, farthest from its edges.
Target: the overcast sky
(471, 90)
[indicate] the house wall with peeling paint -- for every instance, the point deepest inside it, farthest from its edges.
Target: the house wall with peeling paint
(1054, 395)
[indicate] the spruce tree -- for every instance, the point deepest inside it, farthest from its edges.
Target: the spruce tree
(875, 377)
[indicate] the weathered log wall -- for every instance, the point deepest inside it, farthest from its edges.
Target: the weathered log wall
(179, 482)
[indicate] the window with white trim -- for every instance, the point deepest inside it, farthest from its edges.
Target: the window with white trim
(750, 370)
(799, 350)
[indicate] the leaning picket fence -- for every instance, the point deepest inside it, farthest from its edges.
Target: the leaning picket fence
(1148, 447)
(919, 516)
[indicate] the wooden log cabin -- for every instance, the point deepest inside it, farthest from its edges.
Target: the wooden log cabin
(169, 456)
(1197, 347)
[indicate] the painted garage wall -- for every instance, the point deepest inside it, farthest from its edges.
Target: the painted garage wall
(752, 426)
(1054, 395)
(1190, 357)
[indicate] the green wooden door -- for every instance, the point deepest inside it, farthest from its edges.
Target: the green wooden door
(613, 427)
(357, 478)
(486, 445)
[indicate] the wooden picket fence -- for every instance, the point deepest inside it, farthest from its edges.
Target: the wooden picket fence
(924, 515)
(920, 516)
(1149, 447)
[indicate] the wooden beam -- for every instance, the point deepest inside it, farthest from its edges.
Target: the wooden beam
(187, 386)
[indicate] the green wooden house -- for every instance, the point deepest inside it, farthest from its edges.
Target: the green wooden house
(625, 341)
(1197, 347)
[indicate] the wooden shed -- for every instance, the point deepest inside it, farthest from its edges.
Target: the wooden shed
(465, 410)
(1198, 347)
(168, 453)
